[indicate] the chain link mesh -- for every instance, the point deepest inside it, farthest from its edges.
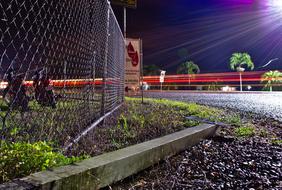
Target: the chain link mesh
(62, 68)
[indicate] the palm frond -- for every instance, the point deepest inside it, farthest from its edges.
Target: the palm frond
(240, 59)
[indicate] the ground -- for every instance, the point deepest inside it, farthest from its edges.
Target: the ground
(218, 163)
(247, 155)
(248, 142)
(134, 123)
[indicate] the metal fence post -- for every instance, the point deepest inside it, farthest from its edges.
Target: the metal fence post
(142, 73)
(93, 73)
(106, 63)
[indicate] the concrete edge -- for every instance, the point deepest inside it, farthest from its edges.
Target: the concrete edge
(108, 168)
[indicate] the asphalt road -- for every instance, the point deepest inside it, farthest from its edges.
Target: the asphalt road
(263, 103)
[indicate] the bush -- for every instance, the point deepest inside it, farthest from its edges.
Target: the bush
(21, 159)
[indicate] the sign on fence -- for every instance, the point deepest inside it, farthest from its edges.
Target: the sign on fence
(133, 64)
(126, 3)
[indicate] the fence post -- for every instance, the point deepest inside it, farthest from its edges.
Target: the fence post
(142, 72)
(106, 62)
(123, 71)
(93, 73)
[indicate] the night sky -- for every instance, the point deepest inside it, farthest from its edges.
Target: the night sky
(207, 32)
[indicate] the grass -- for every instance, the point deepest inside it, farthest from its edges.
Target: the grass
(193, 109)
(135, 123)
(139, 122)
(43, 123)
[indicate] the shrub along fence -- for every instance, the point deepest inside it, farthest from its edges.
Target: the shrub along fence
(62, 69)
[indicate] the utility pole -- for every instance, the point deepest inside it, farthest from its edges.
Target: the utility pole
(124, 22)
(241, 85)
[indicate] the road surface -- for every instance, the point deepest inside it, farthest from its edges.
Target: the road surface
(263, 103)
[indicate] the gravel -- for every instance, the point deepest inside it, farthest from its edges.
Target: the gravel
(264, 104)
(220, 163)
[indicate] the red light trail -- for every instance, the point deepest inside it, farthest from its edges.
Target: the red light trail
(254, 76)
(220, 79)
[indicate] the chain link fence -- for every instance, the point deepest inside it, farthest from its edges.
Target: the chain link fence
(62, 68)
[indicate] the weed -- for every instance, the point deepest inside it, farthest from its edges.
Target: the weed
(233, 119)
(245, 131)
(276, 142)
(122, 123)
(138, 119)
(263, 133)
(190, 123)
(116, 144)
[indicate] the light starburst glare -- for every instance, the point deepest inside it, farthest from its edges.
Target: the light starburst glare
(277, 4)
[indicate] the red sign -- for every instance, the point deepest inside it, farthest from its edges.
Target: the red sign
(132, 66)
(133, 54)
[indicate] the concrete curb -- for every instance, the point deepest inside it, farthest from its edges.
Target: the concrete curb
(103, 170)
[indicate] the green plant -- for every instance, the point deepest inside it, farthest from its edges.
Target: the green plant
(187, 109)
(263, 133)
(237, 61)
(189, 67)
(233, 119)
(190, 123)
(123, 125)
(245, 131)
(116, 144)
(20, 159)
(270, 78)
(138, 119)
(277, 142)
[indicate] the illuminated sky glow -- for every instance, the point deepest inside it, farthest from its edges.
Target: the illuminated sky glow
(276, 4)
(209, 31)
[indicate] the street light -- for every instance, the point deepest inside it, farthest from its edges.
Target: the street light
(162, 76)
(240, 70)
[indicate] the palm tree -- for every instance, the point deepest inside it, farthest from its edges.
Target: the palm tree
(237, 61)
(190, 68)
(150, 70)
(270, 78)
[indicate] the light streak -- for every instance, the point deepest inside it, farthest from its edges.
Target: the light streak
(254, 76)
(197, 79)
(269, 62)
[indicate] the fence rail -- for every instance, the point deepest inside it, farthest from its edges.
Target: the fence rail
(61, 67)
